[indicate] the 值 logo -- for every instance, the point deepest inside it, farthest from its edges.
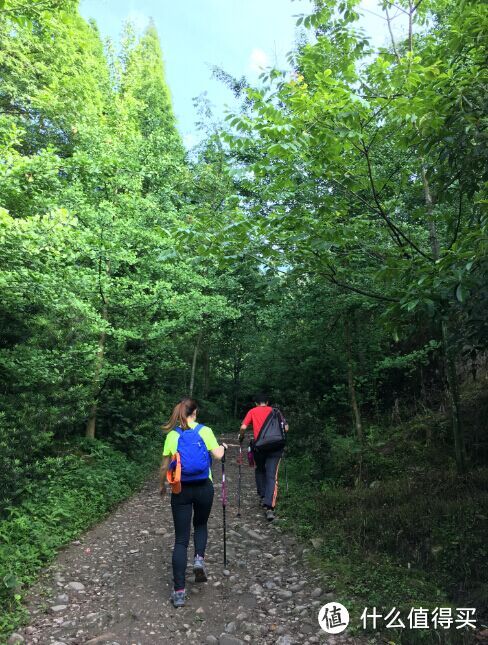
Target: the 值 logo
(333, 618)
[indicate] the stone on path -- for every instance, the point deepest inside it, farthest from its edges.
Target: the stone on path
(254, 630)
(286, 639)
(57, 609)
(103, 638)
(227, 639)
(285, 594)
(62, 599)
(267, 593)
(75, 586)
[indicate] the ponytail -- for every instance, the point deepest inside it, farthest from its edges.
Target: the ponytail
(180, 414)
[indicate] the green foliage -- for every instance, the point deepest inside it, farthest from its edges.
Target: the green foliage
(354, 181)
(101, 310)
(326, 245)
(408, 362)
(414, 537)
(102, 304)
(64, 495)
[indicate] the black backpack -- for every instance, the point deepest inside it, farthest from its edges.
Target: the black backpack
(272, 434)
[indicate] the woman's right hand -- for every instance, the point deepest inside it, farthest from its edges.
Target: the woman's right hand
(219, 452)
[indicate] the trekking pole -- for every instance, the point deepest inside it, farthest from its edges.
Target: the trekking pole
(224, 504)
(239, 461)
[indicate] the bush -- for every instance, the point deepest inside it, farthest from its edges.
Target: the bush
(416, 537)
(64, 495)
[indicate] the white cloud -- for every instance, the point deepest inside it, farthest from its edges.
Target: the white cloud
(258, 60)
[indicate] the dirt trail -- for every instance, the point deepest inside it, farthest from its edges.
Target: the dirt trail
(112, 586)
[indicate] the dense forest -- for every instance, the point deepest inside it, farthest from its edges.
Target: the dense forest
(326, 242)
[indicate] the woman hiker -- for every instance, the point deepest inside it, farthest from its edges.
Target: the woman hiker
(186, 454)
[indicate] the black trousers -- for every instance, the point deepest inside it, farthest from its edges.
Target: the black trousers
(195, 498)
(266, 471)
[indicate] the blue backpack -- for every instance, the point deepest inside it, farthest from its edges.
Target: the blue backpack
(194, 456)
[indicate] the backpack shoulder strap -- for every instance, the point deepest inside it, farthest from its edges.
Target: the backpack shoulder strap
(198, 427)
(266, 423)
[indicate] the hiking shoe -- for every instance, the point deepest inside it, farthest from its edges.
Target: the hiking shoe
(270, 516)
(199, 569)
(178, 598)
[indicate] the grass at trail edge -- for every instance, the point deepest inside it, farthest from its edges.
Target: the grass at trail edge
(65, 495)
(412, 540)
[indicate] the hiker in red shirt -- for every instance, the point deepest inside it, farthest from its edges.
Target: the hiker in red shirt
(267, 461)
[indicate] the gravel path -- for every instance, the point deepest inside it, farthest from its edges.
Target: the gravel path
(112, 586)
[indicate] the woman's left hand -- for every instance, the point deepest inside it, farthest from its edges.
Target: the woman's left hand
(162, 490)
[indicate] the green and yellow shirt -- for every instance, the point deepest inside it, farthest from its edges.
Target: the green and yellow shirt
(206, 433)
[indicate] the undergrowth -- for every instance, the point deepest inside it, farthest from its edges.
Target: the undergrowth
(410, 533)
(65, 495)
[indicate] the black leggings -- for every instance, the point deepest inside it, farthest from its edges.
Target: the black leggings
(196, 497)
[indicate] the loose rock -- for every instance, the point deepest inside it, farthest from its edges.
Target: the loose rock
(227, 639)
(286, 639)
(57, 609)
(62, 599)
(75, 586)
(285, 594)
(127, 573)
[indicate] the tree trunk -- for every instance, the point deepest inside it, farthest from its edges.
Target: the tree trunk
(206, 374)
(449, 356)
(351, 386)
(237, 381)
(90, 430)
(454, 401)
(194, 363)
(429, 203)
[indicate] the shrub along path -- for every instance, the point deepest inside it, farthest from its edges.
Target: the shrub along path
(113, 584)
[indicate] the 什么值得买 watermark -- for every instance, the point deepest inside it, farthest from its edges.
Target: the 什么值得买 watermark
(334, 618)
